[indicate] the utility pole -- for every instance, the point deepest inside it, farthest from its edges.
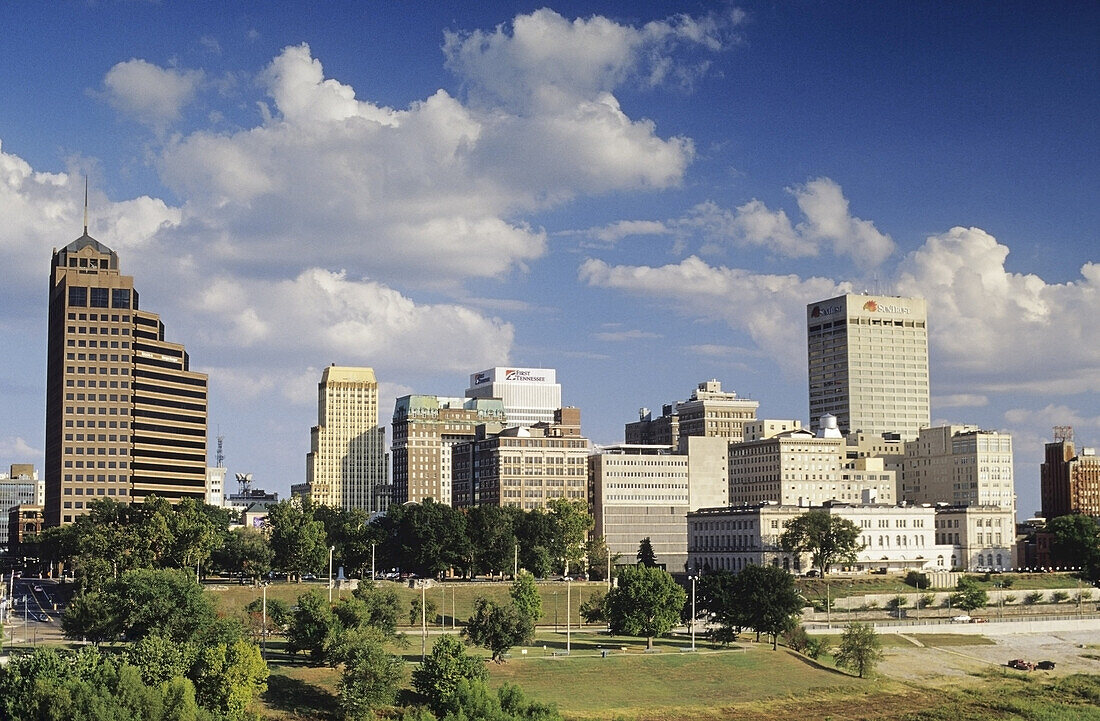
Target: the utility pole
(423, 623)
(263, 648)
(568, 587)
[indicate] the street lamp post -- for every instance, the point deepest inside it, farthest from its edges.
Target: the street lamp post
(568, 610)
(263, 648)
(693, 580)
(373, 577)
(609, 568)
(423, 622)
(330, 550)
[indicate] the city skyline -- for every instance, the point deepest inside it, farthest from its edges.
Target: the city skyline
(640, 199)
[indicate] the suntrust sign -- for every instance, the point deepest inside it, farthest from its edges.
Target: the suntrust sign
(873, 306)
(824, 311)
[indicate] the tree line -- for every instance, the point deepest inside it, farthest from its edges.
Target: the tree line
(425, 539)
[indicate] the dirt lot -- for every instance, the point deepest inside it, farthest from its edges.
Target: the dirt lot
(934, 665)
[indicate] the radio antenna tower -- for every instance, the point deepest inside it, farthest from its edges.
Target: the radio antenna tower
(1063, 434)
(219, 457)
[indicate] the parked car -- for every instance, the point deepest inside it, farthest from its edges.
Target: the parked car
(1045, 665)
(812, 573)
(962, 618)
(1020, 664)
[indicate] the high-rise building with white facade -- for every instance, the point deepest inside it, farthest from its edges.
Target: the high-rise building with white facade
(530, 395)
(868, 363)
(425, 428)
(959, 465)
(346, 465)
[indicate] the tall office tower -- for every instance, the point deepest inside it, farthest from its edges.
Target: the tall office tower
(869, 363)
(21, 487)
(530, 395)
(523, 466)
(125, 415)
(346, 464)
(959, 465)
(1069, 481)
(709, 412)
(425, 428)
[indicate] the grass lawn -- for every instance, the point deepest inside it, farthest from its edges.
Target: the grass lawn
(452, 599)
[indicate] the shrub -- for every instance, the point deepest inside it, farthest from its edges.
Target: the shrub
(796, 638)
(1007, 583)
(1083, 596)
(815, 647)
(1059, 597)
(1010, 598)
(897, 602)
(916, 579)
(1033, 598)
(927, 599)
(872, 605)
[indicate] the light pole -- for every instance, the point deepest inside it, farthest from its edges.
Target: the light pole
(828, 606)
(693, 580)
(423, 622)
(515, 563)
(263, 648)
(372, 576)
(568, 586)
(330, 550)
(609, 568)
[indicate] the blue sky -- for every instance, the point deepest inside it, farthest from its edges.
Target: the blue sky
(640, 195)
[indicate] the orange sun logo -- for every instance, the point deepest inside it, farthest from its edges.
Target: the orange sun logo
(870, 306)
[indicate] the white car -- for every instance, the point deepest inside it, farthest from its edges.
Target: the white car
(961, 619)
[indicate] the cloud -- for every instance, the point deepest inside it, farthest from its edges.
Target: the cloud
(148, 93)
(827, 224)
(770, 308)
(19, 451)
(544, 61)
(994, 330)
(1054, 414)
(625, 335)
(960, 400)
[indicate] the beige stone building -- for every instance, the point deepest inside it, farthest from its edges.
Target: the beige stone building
(524, 466)
(125, 415)
(983, 537)
(425, 429)
(638, 492)
(789, 465)
(959, 465)
(868, 363)
(346, 464)
(709, 412)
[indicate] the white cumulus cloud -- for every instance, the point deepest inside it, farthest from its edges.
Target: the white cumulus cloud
(149, 93)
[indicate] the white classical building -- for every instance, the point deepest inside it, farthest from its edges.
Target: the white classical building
(959, 465)
(893, 538)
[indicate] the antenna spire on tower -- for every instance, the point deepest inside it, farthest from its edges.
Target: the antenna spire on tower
(85, 205)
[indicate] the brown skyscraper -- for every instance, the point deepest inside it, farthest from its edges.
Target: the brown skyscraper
(1069, 481)
(125, 418)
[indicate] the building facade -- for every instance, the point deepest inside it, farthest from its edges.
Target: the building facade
(868, 363)
(125, 415)
(524, 466)
(19, 487)
(893, 538)
(530, 395)
(346, 464)
(959, 465)
(788, 465)
(638, 492)
(425, 429)
(215, 486)
(1069, 481)
(709, 412)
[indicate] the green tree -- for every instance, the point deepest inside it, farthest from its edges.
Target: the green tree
(596, 553)
(1076, 542)
(526, 599)
(370, 676)
(969, 595)
(141, 602)
(827, 538)
(646, 557)
(571, 524)
(312, 626)
(297, 539)
(245, 551)
(594, 608)
(159, 659)
(382, 606)
(193, 534)
(492, 538)
(859, 649)
(229, 677)
(427, 537)
(647, 602)
(438, 677)
(497, 627)
(425, 614)
(767, 600)
(717, 596)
